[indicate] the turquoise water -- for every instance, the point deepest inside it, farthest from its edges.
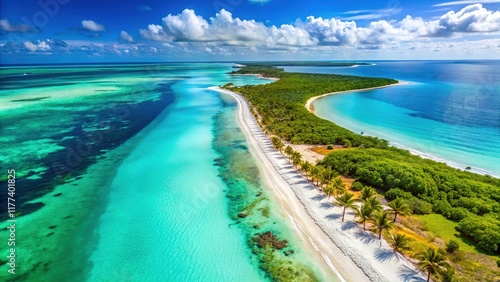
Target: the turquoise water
(449, 111)
(175, 224)
(155, 195)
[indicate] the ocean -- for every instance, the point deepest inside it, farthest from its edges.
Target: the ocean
(135, 172)
(445, 110)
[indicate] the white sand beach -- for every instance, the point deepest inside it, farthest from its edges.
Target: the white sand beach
(353, 254)
(309, 103)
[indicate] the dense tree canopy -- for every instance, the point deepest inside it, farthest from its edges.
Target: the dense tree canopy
(281, 105)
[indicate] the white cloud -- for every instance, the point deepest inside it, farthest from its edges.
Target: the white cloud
(92, 26)
(473, 18)
(6, 26)
(187, 26)
(126, 37)
(466, 2)
(224, 30)
(40, 45)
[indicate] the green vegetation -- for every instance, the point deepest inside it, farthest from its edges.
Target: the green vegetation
(346, 200)
(399, 241)
(428, 187)
(304, 64)
(446, 230)
(281, 106)
(434, 263)
(452, 246)
(382, 222)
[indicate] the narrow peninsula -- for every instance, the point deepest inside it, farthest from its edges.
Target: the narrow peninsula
(381, 185)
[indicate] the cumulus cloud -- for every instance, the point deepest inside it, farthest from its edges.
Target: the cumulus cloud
(92, 26)
(126, 37)
(473, 18)
(5, 25)
(225, 30)
(40, 46)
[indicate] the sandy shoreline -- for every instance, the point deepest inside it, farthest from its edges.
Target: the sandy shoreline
(349, 252)
(309, 102)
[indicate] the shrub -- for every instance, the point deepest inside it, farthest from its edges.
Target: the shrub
(329, 147)
(357, 186)
(418, 206)
(498, 262)
(458, 213)
(347, 143)
(452, 246)
(397, 193)
(442, 207)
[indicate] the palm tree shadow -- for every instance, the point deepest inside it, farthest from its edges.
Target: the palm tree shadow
(300, 182)
(309, 187)
(409, 275)
(326, 206)
(317, 198)
(365, 237)
(333, 216)
(348, 226)
(384, 255)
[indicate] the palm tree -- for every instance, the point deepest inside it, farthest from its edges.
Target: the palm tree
(316, 173)
(346, 200)
(374, 203)
(367, 192)
(364, 213)
(277, 143)
(329, 190)
(327, 175)
(399, 206)
(296, 158)
(306, 167)
(338, 185)
(399, 241)
(288, 151)
(433, 263)
(382, 222)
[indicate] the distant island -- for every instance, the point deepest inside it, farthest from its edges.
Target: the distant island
(302, 64)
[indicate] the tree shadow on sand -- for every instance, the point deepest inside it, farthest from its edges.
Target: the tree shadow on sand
(348, 226)
(326, 206)
(385, 255)
(317, 198)
(300, 182)
(365, 237)
(333, 216)
(409, 275)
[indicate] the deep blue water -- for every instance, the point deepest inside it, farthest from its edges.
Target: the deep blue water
(449, 110)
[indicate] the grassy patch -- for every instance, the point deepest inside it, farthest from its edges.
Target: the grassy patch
(445, 229)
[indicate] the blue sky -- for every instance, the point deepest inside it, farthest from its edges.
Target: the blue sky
(59, 31)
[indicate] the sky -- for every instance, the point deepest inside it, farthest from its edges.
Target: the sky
(72, 31)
